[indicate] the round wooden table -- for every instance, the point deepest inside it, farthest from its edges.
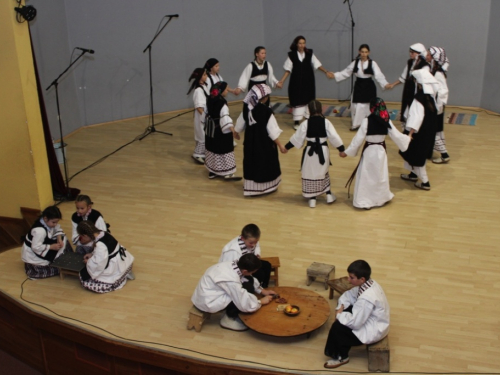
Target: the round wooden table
(314, 312)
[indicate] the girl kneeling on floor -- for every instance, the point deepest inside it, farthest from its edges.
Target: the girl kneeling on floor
(109, 266)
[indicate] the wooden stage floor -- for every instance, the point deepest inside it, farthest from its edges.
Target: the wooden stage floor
(434, 252)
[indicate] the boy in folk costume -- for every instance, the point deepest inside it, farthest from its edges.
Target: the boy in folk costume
(248, 243)
(225, 286)
(362, 315)
(421, 127)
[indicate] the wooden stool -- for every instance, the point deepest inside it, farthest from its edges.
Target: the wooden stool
(319, 270)
(275, 264)
(379, 355)
(196, 318)
(339, 285)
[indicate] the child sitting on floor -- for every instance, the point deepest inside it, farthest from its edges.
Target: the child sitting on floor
(248, 243)
(84, 211)
(363, 315)
(44, 242)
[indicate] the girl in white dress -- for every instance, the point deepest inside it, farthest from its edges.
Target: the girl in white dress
(365, 90)
(372, 174)
(258, 71)
(315, 132)
(109, 266)
(436, 56)
(200, 95)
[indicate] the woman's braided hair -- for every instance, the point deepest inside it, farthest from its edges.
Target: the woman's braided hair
(87, 228)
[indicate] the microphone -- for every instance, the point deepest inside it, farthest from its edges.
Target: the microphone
(172, 15)
(91, 51)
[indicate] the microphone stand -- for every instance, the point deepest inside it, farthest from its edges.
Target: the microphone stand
(352, 41)
(55, 83)
(352, 46)
(151, 128)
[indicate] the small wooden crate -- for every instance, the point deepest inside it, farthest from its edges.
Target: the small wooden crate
(325, 271)
(379, 355)
(339, 285)
(196, 318)
(275, 265)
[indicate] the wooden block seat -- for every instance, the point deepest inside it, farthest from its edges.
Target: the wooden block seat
(379, 355)
(196, 318)
(339, 285)
(275, 265)
(320, 270)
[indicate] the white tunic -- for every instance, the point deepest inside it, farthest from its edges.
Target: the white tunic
(273, 129)
(232, 251)
(370, 315)
(225, 122)
(38, 247)
(216, 78)
(372, 177)
(96, 265)
(200, 101)
(314, 61)
(245, 76)
(361, 110)
(311, 167)
(99, 224)
(442, 92)
(220, 285)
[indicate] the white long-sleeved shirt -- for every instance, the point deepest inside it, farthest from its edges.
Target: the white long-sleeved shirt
(370, 317)
(220, 285)
(289, 64)
(362, 65)
(247, 72)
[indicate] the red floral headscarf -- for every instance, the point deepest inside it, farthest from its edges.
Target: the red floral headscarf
(378, 107)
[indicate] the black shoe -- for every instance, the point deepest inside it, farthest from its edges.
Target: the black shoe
(421, 185)
(409, 177)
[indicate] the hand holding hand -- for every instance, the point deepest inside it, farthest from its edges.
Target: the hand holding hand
(283, 150)
(237, 91)
(388, 86)
(279, 84)
(342, 154)
(236, 135)
(330, 75)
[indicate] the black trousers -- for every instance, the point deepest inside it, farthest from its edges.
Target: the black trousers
(340, 339)
(263, 273)
(231, 310)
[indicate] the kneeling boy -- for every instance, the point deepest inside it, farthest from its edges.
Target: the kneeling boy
(229, 285)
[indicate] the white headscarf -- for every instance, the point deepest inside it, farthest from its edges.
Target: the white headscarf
(439, 55)
(420, 48)
(252, 99)
(429, 84)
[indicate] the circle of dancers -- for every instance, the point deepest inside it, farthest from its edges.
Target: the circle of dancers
(425, 94)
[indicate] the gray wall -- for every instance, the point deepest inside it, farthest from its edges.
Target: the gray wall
(113, 83)
(491, 86)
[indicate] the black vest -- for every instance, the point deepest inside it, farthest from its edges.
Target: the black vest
(93, 217)
(50, 256)
(368, 70)
(302, 86)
